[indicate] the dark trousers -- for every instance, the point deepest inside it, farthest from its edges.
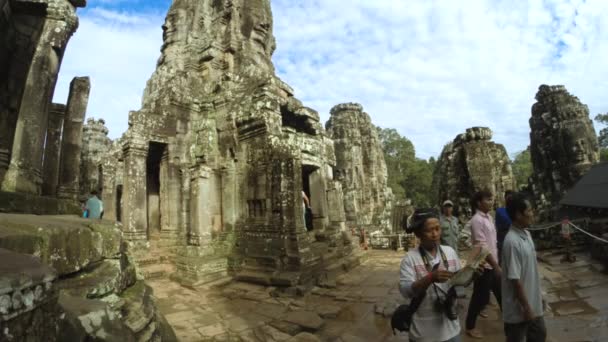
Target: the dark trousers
(532, 331)
(485, 283)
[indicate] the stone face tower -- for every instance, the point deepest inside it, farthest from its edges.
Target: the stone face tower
(95, 147)
(470, 163)
(563, 143)
(361, 168)
(218, 156)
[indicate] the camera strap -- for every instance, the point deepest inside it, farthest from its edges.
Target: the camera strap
(427, 261)
(430, 268)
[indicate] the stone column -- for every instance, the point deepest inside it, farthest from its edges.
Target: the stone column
(135, 198)
(109, 191)
(205, 207)
(24, 171)
(318, 199)
(230, 197)
(52, 150)
(170, 197)
(185, 224)
(4, 162)
(71, 143)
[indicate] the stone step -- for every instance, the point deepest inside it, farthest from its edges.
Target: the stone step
(148, 261)
(157, 271)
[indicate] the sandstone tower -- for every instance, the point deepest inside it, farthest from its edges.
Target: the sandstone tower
(470, 163)
(563, 143)
(361, 168)
(218, 156)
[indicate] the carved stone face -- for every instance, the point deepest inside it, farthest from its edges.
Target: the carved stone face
(256, 28)
(577, 140)
(175, 27)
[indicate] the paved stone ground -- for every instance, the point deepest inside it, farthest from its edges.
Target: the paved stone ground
(358, 308)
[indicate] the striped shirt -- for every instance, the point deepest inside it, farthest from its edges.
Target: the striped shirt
(428, 324)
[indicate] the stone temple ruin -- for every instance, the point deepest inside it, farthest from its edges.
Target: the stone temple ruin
(470, 163)
(215, 162)
(563, 144)
(212, 171)
(361, 168)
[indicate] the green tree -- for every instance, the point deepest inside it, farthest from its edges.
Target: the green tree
(408, 176)
(522, 167)
(603, 137)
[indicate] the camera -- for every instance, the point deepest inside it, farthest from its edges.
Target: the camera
(448, 305)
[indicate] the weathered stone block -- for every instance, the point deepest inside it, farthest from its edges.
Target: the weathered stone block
(12, 202)
(68, 244)
(28, 298)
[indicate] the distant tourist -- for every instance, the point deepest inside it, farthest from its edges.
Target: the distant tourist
(94, 206)
(483, 234)
(423, 275)
(307, 211)
(522, 299)
(450, 227)
(503, 222)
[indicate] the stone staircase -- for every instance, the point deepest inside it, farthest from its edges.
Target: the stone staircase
(156, 261)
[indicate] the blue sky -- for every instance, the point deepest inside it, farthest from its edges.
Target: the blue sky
(428, 68)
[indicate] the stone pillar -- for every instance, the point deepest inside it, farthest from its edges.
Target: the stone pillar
(52, 150)
(109, 191)
(206, 205)
(185, 224)
(71, 143)
(230, 197)
(170, 201)
(135, 198)
(318, 199)
(5, 159)
(24, 171)
(201, 189)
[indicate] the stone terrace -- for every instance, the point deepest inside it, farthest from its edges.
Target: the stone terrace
(358, 307)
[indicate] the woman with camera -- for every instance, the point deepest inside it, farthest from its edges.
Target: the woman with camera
(423, 276)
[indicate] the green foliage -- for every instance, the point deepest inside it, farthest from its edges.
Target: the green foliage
(603, 137)
(408, 176)
(522, 167)
(604, 154)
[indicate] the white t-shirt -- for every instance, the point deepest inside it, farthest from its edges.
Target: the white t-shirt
(428, 324)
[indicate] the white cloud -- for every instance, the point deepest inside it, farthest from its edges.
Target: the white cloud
(119, 52)
(429, 68)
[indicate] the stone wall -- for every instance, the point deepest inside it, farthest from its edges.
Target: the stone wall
(361, 168)
(563, 144)
(470, 163)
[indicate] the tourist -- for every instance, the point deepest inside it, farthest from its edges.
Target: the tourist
(307, 212)
(94, 206)
(522, 299)
(503, 222)
(450, 227)
(483, 234)
(423, 275)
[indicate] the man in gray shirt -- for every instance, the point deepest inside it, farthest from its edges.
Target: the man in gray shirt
(522, 307)
(450, 227)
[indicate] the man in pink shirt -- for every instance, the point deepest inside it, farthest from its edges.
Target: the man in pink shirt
(483, 233)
